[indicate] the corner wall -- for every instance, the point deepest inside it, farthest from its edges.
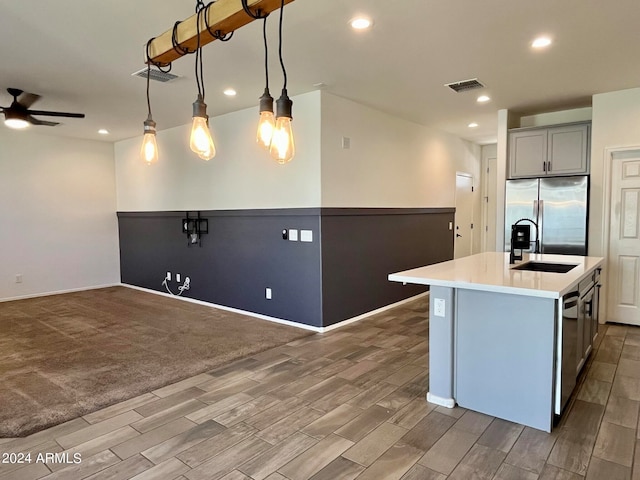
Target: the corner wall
(615, 123)
(58, 214)
(391, 162)
(240, 176)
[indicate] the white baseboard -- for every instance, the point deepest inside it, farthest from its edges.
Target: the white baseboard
(373, 312)
(280, 320)
(229, 309)
(58, 292)
(443, 402)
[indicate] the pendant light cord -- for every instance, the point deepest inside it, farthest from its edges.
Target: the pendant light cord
(200, 8)
(266, 52)
(284, 71)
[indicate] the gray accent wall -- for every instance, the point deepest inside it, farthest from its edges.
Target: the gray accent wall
(341, 274)
(242, 255)
(360, 247)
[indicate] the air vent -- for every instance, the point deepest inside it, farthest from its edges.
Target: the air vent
(155, 74)
(464, 85)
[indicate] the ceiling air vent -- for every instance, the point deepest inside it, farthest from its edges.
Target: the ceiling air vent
(464, 85)
(155, 74)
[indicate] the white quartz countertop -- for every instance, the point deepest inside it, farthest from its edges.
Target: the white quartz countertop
(491, 271)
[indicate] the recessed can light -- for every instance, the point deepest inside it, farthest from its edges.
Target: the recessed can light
(103, 131)
(472, 125)
(360, 23)
(541, 42)
(483, 99)
(230, 92)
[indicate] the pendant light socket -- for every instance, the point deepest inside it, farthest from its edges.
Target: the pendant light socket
(266, 102)
(199, 107)
(149, 125)
(284, 105)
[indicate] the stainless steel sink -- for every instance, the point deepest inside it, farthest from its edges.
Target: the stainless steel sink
(546, 267)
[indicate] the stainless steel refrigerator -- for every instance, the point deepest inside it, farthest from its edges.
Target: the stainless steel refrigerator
(559, 205)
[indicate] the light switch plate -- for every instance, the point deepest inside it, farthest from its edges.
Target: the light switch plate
(293, 235)
(438, 307)
(267, 293)
(306, 235)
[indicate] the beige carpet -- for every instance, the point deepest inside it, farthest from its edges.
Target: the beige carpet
(64, 356)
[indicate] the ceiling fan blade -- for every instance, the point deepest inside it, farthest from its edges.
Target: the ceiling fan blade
(35, 121)
(28, 99)
(55, 114)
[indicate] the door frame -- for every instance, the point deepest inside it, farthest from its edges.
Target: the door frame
(606, 216)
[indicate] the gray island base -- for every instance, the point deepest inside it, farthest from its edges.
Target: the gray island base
(495, 334)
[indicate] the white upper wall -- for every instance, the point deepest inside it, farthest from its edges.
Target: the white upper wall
(615, 124)
(58, 214)
(240, 176)
(391, 162)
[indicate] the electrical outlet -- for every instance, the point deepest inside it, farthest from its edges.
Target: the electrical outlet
(438, 307)
(267, 293)
(177, 277)
(168, 277)
(293, 235)
(18, 278)
(450, 225)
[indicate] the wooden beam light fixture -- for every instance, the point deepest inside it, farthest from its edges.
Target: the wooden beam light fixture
(220, 18)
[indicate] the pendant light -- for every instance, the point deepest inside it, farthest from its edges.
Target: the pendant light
(282, 148)
(149, 149)
(267, 122)
(200, 140)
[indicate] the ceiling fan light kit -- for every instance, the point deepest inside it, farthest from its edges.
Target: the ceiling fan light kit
(218, 20)
(18, 115)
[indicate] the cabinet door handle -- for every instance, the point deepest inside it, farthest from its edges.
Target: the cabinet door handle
(544, 166)
(548, 166)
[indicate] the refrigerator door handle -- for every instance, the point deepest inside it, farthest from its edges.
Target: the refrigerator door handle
(535, 210)
(540, 226)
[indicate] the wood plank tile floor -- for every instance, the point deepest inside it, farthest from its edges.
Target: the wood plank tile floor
(343, 405)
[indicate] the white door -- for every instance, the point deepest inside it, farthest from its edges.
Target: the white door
(464, 215)
(624, 242)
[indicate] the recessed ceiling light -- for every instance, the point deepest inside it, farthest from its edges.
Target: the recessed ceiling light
(360, 23)
(483, 99)
(103, 131)
(230, 92)
(473, 125)
(541, 42)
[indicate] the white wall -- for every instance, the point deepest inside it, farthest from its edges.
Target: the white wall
(615, 124)
(58, 225)
(391, 162)
(554, 118)
(240, 176)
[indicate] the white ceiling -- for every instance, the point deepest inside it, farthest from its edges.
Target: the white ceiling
(79, 55)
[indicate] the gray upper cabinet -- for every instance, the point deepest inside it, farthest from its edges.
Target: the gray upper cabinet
(537, 152)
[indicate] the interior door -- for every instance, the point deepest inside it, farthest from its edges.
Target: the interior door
(624, 242)
(464, 215)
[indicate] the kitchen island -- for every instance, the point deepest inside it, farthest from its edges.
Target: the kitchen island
(508, 341)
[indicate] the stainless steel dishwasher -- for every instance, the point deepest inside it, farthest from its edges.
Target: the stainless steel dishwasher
(569, 346)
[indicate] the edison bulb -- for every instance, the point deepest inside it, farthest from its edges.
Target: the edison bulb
(201, 142)
(266, 126)
(282, 147)
(149, 150)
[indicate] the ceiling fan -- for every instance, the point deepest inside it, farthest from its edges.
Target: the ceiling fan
(19, 116)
